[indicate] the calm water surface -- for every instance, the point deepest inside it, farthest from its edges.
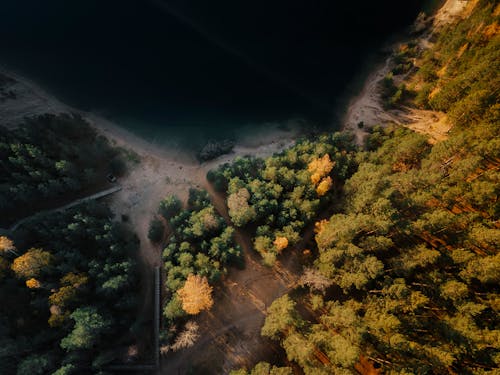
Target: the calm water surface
(192, 70)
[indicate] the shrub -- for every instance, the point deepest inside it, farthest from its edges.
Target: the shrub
(156, 230)
(170, 207)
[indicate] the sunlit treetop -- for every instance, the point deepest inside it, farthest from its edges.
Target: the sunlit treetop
(196, 295)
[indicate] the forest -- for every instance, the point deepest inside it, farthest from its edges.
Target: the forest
(48, 160)
(198, 248)
(397, 240)
(69, 278)
(406, 272)
(70, 284)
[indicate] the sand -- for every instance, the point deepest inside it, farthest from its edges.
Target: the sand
(161, 171)
(367, 106)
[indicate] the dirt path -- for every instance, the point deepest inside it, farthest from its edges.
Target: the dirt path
(230, 333)
(76, 202)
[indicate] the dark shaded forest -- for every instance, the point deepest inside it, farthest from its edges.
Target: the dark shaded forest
(70, 286)
(50, 160)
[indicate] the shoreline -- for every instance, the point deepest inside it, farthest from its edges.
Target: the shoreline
(173, 170)
(161, 170)
(366, 106)
(32, 100)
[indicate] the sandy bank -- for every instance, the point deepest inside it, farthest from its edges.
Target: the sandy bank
(367, 106)
(161, 170)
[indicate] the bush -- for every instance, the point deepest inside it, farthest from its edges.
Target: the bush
(117, 166)
(422, 98)
(170, 207)
(156, 230)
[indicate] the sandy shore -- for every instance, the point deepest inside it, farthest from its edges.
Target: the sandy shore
(367, 106)
(161, 171)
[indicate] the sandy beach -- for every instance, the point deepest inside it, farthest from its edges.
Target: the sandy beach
(161, 171)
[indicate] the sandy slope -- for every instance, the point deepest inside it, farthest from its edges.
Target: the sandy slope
(367, 106)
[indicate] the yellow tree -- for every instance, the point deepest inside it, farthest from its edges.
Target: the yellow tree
(62, 298)
(33, 283)
(319, 168)
(31, 263)
(68, 290)
(196, 295)
(324, 186)
(7, 244)
(281, 243)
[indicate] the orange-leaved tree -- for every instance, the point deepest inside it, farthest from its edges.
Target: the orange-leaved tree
(6, 244)
(319, 168)
(196, 295)
(280, 243)
(324, 186)
(31, 263)
(33, 283)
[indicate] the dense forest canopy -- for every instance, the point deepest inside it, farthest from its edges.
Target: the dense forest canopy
(406, 273)
(70, 284)
(48, 160)
(69, 278)
(277, 198)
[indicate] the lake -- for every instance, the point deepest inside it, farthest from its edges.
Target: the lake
(193, 70)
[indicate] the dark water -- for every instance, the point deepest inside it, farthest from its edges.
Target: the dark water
(197, 69)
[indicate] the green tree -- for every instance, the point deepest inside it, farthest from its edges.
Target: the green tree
(240, 211)
(156, 230)
(281, 317)
(65, 370)
(173, 309)
(170, 207)
(34, 364)
(88, 328)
